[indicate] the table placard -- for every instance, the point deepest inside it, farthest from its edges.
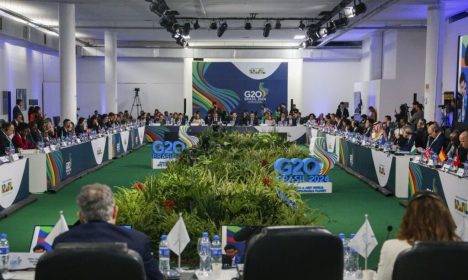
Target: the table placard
(461, 172)
(53, 148)
(47, 150)
(15, 157)
(78, 140)
(417, 159)
(4, 159)
(446, 167)
(430, 162)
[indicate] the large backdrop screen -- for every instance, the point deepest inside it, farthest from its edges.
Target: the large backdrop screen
(462, 98)
(239, 87)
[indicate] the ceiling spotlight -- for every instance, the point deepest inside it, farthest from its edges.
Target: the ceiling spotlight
(342, 21)
(247, 25)
(278, 24)
(222, 28)
(196, 25)
(331, 28)
(360, 8)
(159, 7)
(356, 10)
(213, 25)
(186, 29)
(323, 32)
(301, 25)
(314, 34)
(266, 29)
(176, 35)
(305, 44)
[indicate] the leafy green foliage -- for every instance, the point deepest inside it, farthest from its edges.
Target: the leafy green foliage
(227, 179)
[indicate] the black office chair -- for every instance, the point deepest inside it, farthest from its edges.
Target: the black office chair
(294, 252)
(90, 261)
(434, 260)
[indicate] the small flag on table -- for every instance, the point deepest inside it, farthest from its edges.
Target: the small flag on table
(442, 156)
(456, 161)
(364, 242)
(427, 152)
(178, 237)
(59, 228)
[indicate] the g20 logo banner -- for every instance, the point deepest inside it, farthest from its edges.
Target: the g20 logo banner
(305, 174)
(235, 87)
(163, 152)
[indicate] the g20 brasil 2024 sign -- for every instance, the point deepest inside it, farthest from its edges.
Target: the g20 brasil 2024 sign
(166, 151)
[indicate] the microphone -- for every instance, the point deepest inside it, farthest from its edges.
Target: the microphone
(389, 229)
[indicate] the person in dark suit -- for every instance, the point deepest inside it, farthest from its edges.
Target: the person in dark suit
(342, 111)
(463, 147)
(252, 120)
(234, 120)
(436, 139)
(97, 213)
(17, 109)
(80, 127)
(7, 133)
(408, 139)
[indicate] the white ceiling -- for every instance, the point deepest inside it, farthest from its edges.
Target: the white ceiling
(133, 21)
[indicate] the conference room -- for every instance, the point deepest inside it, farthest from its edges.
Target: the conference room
(170, 139)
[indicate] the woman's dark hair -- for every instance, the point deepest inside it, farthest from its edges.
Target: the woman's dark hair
(427, 219)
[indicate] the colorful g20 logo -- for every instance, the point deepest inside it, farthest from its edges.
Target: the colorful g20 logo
(167, 149)
(296, 166)
(299, 170)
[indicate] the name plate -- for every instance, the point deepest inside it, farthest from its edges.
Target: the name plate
(4, 159)
(461, 172)
(446, 167)
(430, 162)
(46, 150)
(53, 148)
(417, 159)
(15, 157)
(78, 140)
(21, 261)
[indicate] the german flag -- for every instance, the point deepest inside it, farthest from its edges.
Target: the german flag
(442, 155)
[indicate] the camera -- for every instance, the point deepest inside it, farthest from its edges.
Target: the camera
(137, 90)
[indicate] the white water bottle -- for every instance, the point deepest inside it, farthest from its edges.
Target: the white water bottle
(164, 254)
(4, 253)
(204, 251)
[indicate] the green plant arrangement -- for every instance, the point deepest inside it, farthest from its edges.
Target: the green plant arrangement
(227, 179)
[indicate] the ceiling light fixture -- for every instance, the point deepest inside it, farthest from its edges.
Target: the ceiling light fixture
(222, 28)
(278, 24)
(301, 25)
(342, 21)
(186, 29)
(323, 32)
(355, 10)
(247, 25)
(267, 29)
(196, 25)
(213, 25)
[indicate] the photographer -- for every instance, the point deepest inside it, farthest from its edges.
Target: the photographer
(417, 115)
(403, 114)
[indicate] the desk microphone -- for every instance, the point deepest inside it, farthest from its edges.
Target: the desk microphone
(389, 229)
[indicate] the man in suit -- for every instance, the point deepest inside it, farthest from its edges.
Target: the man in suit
(17, 109)
(252, 120)
(97, 213)
(7, 132)
(436, 138)
(463, 147)
(408, 139)
(342, 111)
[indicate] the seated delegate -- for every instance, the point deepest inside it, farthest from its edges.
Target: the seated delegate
(426, 219)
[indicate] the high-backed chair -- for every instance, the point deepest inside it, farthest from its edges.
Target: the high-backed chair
(433, 260)
(294, 252)
(90, 261)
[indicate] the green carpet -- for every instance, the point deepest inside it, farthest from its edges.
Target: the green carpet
(345, 207)
(45, 211)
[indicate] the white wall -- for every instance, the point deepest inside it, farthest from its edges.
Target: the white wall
(160, 82)
(403, 68)
(20, 68)
(327, 83)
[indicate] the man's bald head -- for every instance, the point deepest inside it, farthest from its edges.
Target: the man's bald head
(464, 139)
